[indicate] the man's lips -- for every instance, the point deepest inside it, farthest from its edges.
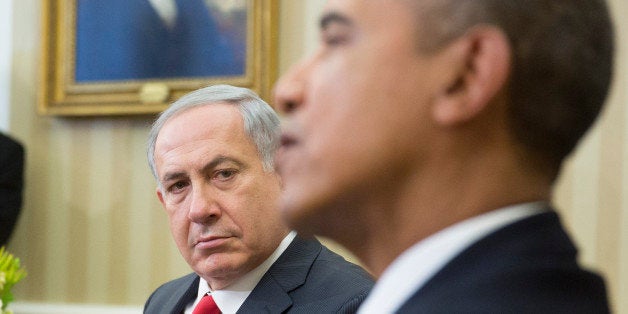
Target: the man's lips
(210, 242)
(287, 140)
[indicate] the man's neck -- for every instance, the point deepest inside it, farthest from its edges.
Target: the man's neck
(455, 191)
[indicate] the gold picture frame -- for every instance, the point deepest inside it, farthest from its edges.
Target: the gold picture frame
(63, 94)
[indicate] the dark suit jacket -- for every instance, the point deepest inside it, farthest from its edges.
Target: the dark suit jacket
(307, 278)
(11, 184)
(527, 267)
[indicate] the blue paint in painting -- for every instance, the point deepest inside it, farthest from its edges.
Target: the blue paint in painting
(127, 40)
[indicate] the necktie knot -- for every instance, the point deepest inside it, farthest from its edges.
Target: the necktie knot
(206, 306)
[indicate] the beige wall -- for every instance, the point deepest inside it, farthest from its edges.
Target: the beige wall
(92, 230)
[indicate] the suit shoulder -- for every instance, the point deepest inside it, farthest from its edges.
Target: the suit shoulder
(530, 266)
(333, 285)
(13, 154)
(308, 278)
(177, 283)
(165, 293)
(332, 263)
(529, 291)
(10, 144)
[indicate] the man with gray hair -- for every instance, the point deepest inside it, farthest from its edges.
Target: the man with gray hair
(212, 155)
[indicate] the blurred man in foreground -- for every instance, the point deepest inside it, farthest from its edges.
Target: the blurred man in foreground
(426, 135)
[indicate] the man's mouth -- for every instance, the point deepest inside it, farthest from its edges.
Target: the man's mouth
(287, 141)
(210, 242)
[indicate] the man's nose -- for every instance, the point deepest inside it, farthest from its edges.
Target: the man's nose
(204, 206)
(289, 90)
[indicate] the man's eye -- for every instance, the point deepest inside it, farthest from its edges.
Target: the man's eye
(334, 39)
(177, 187)
(335, 35)
(225, 174)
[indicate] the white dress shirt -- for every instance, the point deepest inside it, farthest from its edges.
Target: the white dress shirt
(403, 278)
(231, 298)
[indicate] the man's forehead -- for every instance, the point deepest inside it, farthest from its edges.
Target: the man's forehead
(198, 129)
(210, 111)
(360, 13)
(208, 121)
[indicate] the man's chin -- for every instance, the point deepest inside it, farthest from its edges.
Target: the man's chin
(219, 273)
(216, 264)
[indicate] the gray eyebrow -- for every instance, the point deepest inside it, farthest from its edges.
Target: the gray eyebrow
(219, 160)
(173, 176)
(211, 165)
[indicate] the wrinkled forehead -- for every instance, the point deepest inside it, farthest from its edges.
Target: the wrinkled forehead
(218, 121)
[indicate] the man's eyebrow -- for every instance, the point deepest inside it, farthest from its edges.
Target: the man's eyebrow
(208, 167)
(173, 176)
(220, 160)
(334, 17)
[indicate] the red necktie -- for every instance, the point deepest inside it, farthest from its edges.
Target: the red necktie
(206, 306)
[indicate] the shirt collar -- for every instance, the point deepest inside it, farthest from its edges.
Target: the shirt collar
(231, 298)
(433, 253)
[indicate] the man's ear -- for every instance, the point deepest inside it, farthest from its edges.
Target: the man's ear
(160, 196)
(480, 61)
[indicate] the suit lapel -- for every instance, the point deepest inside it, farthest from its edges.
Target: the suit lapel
(289, 272)
(268, 296)
(180, 298)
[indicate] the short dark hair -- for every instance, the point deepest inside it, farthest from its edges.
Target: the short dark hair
(562, 54)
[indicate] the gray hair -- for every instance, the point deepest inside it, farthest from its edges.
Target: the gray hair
(261, 123)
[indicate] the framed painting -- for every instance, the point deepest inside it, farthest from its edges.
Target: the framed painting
(120, 57)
